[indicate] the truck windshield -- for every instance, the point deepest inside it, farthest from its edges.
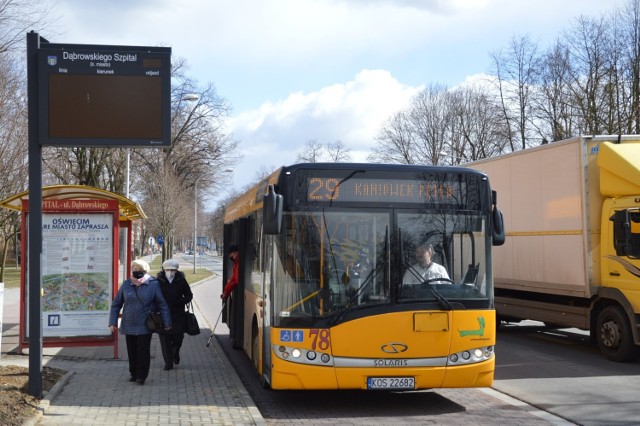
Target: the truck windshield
(333, 262)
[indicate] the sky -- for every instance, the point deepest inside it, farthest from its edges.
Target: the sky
(325, 70)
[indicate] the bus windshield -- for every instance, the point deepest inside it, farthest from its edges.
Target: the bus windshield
(340, 261)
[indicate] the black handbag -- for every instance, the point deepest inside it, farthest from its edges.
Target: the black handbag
(154, 322)
(193, 328)
(154, 319)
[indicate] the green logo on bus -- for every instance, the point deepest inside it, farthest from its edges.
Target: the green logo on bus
(478, 332)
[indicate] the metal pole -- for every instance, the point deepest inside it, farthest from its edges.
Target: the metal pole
(128, 168)
(33, 258)
(195, 223)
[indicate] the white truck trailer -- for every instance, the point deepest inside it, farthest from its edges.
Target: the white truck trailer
(572, 252)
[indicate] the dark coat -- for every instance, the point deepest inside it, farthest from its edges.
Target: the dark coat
(177, 294)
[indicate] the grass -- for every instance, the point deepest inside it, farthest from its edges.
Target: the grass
(201, 274)
(12, 274)
(11, 277)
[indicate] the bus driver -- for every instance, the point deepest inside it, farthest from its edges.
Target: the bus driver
(424, 269)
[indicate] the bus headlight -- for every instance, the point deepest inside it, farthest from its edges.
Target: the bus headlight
(302, 356)
(471, 356)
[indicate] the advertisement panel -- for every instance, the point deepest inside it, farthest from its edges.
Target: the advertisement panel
(77, 274)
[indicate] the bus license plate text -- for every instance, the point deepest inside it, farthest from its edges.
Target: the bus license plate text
(391, 383)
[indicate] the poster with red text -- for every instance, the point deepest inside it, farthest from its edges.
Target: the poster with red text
(77, 274)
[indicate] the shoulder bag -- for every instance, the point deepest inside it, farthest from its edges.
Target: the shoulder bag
(193, 328)
(154, 319)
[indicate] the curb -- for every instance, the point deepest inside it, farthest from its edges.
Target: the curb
(45, 402)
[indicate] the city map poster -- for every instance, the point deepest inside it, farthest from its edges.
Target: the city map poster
(77, 274)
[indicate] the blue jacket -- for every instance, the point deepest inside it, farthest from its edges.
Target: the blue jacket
(134, 313)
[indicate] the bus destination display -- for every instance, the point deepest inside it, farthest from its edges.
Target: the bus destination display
(383, 190)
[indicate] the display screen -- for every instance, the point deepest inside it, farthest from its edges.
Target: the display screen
(383, 190)
(84, 106)
(104, 95)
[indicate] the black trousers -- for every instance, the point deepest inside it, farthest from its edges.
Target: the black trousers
(170, 344)
(139, 353)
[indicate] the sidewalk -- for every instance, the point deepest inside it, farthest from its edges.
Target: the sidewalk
(203, 389)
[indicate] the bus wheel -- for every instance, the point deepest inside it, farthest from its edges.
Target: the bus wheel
(614, 335)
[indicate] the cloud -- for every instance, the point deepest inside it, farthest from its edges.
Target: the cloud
(352, 112)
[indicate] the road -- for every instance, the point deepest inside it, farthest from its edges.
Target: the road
(560, 372)
(556, 371)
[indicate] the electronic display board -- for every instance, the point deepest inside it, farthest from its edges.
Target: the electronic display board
(368, 190)
(92, 95)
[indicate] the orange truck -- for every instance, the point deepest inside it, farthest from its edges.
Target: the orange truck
(572, 252)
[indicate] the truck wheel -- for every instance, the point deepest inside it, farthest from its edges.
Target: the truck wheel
(614, 335)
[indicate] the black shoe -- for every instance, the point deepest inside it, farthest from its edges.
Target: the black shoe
(168, 367)
(140, 381)
(132, 379)
(176, 358)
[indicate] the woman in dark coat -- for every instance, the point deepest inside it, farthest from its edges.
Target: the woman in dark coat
(136, 297)
(177, 293)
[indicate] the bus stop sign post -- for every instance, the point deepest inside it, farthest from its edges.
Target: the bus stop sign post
(73, 92)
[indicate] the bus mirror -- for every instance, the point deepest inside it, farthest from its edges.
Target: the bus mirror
(497, 228)
(272, 212)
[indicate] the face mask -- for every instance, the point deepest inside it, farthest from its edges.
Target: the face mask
(170, 275)
(138, 274)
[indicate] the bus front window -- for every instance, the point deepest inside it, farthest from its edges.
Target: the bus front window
(445, 252)
(329, 261)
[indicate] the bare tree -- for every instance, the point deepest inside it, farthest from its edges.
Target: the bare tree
(552, 107)
(338, 152)
(419, 134)
(394, 143)
(215, 222)
(515, 70)
(589, 44)
(164, 204)
(627, 41)
(316, 152)
(476, 130)
(13, 148)
(17, 17)
(312, 152)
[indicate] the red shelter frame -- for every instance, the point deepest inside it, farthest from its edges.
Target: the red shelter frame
(87, 203)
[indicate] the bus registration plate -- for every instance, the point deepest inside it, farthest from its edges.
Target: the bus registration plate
(391, 383)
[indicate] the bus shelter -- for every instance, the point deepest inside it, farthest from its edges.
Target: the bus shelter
(86, 253)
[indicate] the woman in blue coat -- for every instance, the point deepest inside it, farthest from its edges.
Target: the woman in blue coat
(139, 295)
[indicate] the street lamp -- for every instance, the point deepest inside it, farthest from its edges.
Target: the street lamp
(453, 157)
(195, 218)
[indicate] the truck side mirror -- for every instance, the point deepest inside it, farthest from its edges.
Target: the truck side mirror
(272, 212)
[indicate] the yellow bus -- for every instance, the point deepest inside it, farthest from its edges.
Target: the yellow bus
(324, 301)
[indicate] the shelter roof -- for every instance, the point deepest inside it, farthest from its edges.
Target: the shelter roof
(129, 210)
